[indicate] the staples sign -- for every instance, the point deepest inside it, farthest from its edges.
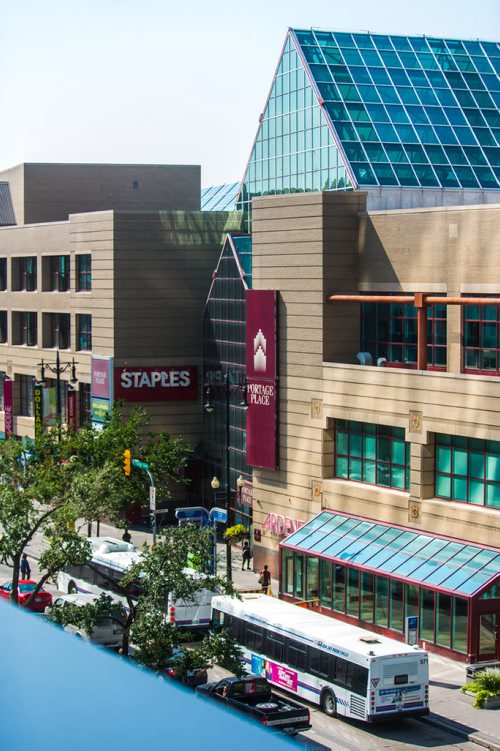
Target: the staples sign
(167, 383)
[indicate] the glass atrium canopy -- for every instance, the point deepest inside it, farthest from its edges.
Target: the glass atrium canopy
(220, 197)
(369, 110)
(417, 557)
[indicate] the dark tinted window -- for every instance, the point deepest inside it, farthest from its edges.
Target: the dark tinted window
(296, 655)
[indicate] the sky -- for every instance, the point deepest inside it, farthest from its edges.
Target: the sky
(172, 82)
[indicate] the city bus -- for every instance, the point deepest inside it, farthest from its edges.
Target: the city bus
(110, 560)
(348, 671)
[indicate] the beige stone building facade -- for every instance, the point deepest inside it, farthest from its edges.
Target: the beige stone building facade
(332, 408)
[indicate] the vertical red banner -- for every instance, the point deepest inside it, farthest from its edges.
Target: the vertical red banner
(71, 410)
(7, 408)
(261, 368)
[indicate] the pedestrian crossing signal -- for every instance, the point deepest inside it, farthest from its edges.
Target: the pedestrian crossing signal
(127, 458)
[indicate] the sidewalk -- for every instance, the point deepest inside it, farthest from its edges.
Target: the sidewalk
(450, 709)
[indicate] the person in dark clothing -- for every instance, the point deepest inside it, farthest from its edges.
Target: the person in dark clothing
(25, 567)
(265, 579)
(246, 554)
(126, 537)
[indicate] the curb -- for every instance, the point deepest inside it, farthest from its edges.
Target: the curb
(481, 739)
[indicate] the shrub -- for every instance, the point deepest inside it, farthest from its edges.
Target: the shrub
(485, 686)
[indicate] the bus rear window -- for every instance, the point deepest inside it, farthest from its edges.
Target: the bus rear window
(399, 679)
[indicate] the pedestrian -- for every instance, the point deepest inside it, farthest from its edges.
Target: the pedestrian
(25, 567)
(265, 579)
(246, 554)
(126, 537)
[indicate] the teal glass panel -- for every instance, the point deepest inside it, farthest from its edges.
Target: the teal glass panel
(459, 462)
(352, 594)
(339, 588)
(476, 492)
(443, 620)
(459, 489)
(325, 583)
(381, 614)
(459, 627)
(396, 606)
(443, 486)
(493, 494)
(312, 577)
(369, 472)
(366, 593)
(427, 615)
(493, 467)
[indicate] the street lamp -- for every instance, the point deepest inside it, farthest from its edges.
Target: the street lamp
(227, 388)
(58, 369)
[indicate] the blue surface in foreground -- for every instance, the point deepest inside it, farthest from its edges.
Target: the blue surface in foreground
(59, 693)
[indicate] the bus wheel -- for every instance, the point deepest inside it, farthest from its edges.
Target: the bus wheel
(72, 588)
(329, 703)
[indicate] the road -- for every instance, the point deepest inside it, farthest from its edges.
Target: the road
(348, 735)
(343, 735)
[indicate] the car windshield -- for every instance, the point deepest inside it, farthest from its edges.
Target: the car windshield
(27, 587)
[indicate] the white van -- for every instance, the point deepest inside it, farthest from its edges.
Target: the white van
(108, 629)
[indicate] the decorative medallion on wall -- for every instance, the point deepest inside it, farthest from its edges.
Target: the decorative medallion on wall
(316, 409)
(317, 490)
(414, 512)
(415, 422)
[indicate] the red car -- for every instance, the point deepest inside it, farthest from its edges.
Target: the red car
(25, 588)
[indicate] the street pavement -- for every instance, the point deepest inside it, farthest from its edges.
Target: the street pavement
(451, 710)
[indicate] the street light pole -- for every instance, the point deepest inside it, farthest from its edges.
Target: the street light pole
(58, 369)
(229, 563)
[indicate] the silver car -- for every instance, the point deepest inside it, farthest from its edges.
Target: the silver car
(108, 629)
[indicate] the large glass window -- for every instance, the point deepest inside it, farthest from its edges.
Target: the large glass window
(59, 330)
(396, 606)
(366, 595)
(381, 601)
(325, 583)
(26, 385)
(389, 330)
(83, 273)
(312, 584)
(28, 329)
(27, 274)
(427, 617)
(481, 343)
(443, 619)
(375, 454)
(339, 587)
(3, 274)
(352, 599)
(85, 412)
(84, 332)
(468, 470)
(59, 273)
(298, 576)
(4, 333)
(459, 632)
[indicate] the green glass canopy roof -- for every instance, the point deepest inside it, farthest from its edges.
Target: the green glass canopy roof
(418, 557)
(409, 111)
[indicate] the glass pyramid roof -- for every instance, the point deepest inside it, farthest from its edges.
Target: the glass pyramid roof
(220, 197)
(408, 111)
(422, 558)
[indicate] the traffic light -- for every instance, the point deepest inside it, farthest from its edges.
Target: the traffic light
(127, 462)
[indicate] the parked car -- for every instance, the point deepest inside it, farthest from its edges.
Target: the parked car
(195, 677)
(25, 587)
(108, 628)
(253, 696)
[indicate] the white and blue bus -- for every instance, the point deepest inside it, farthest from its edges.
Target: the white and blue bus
(346, 670)
(110, 560)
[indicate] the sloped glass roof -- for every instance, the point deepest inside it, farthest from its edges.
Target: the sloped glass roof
(409, 111)
(220, 197)
(418, 557)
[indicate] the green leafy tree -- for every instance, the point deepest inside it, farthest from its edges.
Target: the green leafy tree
(85, 616)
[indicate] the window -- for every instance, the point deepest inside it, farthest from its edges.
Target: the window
(59, 273)
(287, 571)
(375, 454)
(366, 597)
(24, 270)
(396, 606)
(274, 646)
(468, 470)
(325, 583)
(295, 654)
(254, 637)
(321, 663)
(26, 385)
(84, 332)
(427, 614)
(83, 273)
(352, 600)
(3, 274)
(3, 327)
(381, 601)
(298, 576)
(25, 328)
(443, 620)
(481, 342)
(339, 587)
(312, 585)
(85, 408)
(390, 330)
(59, 330)
(459, 632)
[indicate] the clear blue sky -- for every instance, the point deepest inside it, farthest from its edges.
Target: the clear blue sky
(166, 81)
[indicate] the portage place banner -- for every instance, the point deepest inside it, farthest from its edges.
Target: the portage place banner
(261, 367)
(162, 383)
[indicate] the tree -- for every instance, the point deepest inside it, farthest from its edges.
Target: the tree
(33, 499)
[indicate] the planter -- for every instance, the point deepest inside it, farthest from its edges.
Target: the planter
(491, 702)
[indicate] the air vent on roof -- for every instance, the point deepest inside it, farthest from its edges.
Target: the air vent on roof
(370, 639)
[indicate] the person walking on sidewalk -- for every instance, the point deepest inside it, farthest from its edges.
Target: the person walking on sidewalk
(25, 567)
(246, 555)
(265, 580)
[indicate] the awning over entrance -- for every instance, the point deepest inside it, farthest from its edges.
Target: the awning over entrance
(417, 557)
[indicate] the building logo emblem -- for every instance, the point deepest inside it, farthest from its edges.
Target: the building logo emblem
(259, 352)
